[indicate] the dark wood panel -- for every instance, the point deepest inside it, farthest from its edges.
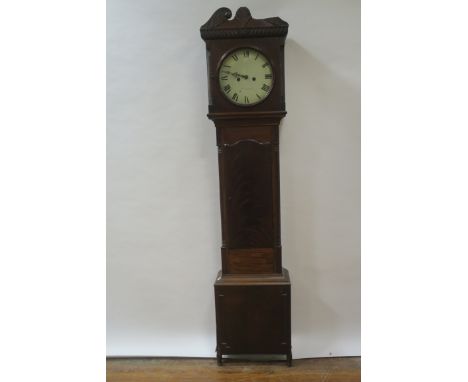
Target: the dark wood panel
(249, 195)
(253, 319)
(250, 260)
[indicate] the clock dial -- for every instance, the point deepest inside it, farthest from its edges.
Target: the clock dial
(245, 77)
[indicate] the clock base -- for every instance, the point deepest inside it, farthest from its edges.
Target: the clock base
(253, 315)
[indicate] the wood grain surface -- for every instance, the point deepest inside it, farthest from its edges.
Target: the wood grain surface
(205, 370)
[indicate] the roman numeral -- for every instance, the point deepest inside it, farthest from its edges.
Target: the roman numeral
(227, 66)
(268, 76)
(235, 97)
(246, 99)
(265, 87)
(246, 53)
(265, 65)
(256, 56)
(227, 88)
(235, 57)
(224, 78)
(258, 96)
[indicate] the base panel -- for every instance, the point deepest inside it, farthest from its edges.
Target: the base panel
(253, 314)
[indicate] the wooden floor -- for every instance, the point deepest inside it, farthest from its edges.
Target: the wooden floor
(205, 370)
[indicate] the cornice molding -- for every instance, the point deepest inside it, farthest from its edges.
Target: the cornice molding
(243, 25)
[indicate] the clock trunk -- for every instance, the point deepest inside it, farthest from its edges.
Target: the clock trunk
(252, 290)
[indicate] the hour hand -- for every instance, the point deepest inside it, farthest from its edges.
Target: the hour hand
(232, 74)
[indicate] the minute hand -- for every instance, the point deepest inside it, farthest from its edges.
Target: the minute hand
(240, 75)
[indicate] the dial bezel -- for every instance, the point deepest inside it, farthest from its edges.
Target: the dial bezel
(220, 63)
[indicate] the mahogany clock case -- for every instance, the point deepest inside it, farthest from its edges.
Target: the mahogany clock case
(252, 290)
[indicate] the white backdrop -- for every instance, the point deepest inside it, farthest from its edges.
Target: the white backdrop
(163, 219)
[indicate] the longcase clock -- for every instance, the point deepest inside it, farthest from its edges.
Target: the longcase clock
(245, 58)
